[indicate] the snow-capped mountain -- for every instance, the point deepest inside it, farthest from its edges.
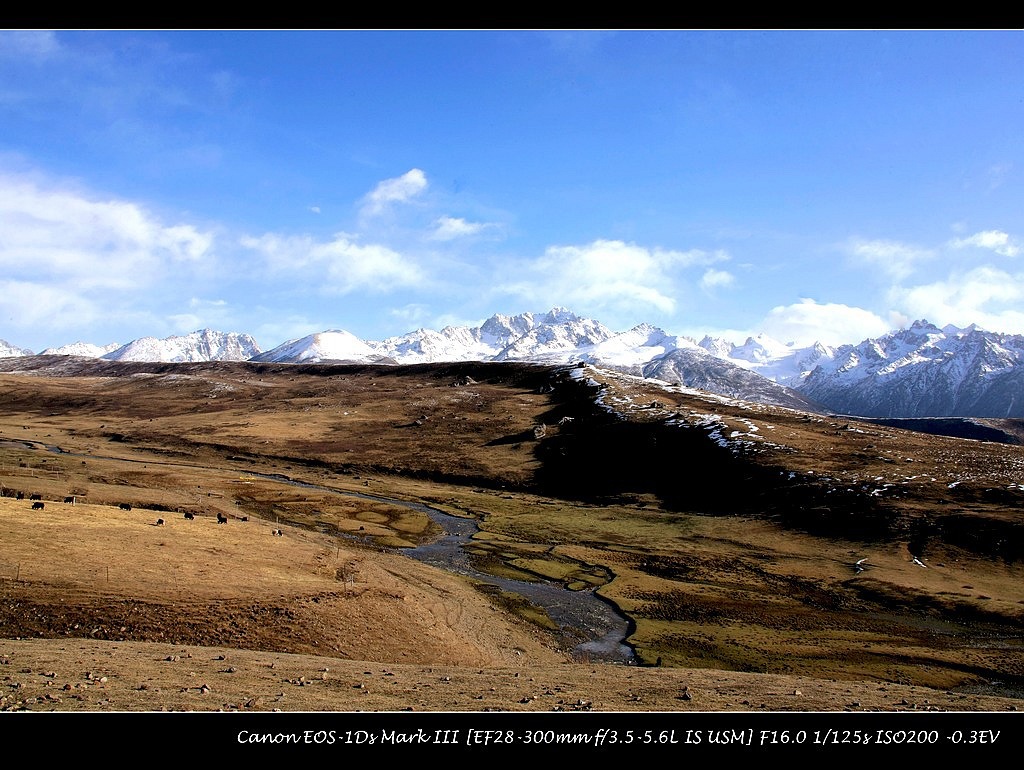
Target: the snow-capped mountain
(785, 364)
(631, 350)
(452, 343)
(552, 337)
(85, 349)
(555, 337)
(717, 346)
(695, 367)
(924, 371)
(334, 346)
(7, 350)
(203, 345)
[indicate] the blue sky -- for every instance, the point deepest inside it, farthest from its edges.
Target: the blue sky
(811, 185)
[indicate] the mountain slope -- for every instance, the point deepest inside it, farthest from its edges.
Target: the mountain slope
(85, 349)
(553, 337)
(924, 371)
(203, 345)
(699, 369)
(921, 371)
(335, 346)
(7, 350)
(723, 529)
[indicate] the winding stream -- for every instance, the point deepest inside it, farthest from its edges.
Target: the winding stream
(578, 613)
(593, 626)
(590, 626)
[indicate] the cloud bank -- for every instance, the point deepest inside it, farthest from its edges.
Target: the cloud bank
(391, 191)
(74, 259)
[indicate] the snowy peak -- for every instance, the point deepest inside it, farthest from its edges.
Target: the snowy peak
(499, 331)
(760, 350)
(644, 335)
(84, 349)
(559, 315)
(918, 371)
(452, 343)
(557, 335)
(333, 345)
(779, 362)
(695, 367)
(716, 346)
(202, 345)
(555, 340)
(629, 351)
(7, 350)
(924, 371)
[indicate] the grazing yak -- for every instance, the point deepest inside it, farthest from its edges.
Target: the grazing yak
(125, 506)
(159, 522)
(222, 519)
(37, 506)
(189, 515)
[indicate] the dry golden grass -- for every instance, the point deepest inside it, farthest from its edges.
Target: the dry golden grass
(748, 595)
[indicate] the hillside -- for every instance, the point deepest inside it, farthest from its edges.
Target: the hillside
(762, 555)
(920, 372)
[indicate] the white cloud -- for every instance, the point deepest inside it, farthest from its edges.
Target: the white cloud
(397, 190)
(974, 293)
(450, 228)
(196, 302)
(283, 327)
(204, 314)
(183, 242)
(606, 273)
(338, 266)
(185, 323)
(713, 279)
(807, 322)
(66, 237)
(895, 260)
(315, 209)
(412, 314)
(29, 305)
(994, 240)
(985, 295)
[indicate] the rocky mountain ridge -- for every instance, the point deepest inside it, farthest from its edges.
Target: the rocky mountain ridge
(921, 371)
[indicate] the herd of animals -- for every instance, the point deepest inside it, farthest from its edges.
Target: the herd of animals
(38, 505)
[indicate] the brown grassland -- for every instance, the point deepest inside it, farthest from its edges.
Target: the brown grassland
(727, 532)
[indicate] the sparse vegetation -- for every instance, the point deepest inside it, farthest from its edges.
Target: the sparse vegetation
(728, 533)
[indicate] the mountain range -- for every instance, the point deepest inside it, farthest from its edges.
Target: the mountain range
(920, 371)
